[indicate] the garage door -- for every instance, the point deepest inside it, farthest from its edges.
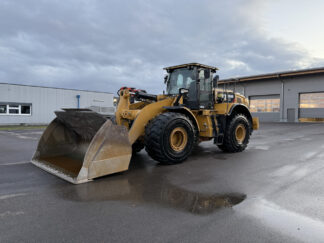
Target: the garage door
(311, 106)
(266, 107)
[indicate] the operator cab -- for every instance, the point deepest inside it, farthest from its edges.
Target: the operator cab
(195, 82)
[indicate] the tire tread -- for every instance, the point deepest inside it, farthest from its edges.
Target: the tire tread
(153, 132)
(229, 145)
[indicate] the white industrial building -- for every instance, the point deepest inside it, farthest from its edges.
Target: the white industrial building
(24, 104)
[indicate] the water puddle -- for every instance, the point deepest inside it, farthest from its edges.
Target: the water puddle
(148, 183)
(163, 194)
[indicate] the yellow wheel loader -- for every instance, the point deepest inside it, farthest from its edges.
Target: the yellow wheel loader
(80, 145)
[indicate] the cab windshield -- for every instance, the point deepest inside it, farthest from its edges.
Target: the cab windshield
(180, 78)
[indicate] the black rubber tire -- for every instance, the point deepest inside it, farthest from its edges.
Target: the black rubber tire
(230, 143)
(222, 147)
(157, 142)
(137, 147)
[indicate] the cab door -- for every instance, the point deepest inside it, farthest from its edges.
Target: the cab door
(205, 94)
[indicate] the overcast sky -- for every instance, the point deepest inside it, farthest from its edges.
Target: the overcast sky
(103, 45)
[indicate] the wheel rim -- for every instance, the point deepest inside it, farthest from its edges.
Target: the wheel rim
(178, 139)
(240, 133)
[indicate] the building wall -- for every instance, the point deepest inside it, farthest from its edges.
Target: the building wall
(264, 89)
(294, 86)
(47, 100)
(289, 90)
(260, 88)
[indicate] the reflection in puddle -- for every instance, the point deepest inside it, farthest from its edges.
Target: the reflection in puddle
(198, 203)
(164, 194)
(150, 185)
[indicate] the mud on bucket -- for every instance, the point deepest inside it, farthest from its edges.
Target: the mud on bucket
(80, 145)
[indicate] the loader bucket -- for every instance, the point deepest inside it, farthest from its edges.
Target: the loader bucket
(80, 145)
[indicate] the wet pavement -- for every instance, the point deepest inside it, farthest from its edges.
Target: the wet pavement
(272, 192)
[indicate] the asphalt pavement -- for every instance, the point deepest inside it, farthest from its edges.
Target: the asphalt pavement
(271, 192)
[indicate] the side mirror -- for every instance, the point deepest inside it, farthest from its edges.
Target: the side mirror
(183, 91)
(166, 77)
(215, 81)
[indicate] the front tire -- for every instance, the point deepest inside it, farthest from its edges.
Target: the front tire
(237, 135)
(170, 138)
(137, 146)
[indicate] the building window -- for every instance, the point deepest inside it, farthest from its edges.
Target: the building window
(15, 109)
(269, 103)
(3, 109)
(311, 100)
(25, 109)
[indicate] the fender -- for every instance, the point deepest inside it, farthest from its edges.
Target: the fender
(185, 111)
(243, 109)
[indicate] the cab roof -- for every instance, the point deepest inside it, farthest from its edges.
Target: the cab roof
(191, 64)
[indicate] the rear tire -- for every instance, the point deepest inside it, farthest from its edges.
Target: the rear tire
(237, 134)
(170, 138)
(222, 147)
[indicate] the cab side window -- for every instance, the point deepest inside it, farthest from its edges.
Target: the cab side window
(224, 97)
(220, 97)
(230, 97)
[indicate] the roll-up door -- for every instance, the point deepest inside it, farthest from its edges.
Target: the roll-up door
(311, 106)
(266, 107)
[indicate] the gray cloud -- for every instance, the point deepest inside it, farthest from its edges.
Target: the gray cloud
(103, 45)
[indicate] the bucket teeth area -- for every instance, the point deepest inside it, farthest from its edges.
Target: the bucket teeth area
(65, 164)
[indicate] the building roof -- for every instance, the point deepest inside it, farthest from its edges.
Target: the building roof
(283, 74)
(47, 87)
(191, 64)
